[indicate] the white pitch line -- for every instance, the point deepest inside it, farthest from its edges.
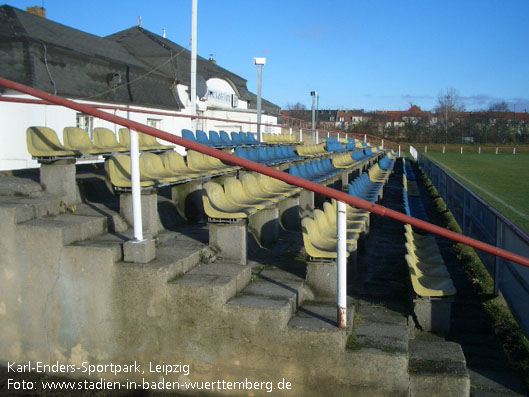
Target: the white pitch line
(522, 214)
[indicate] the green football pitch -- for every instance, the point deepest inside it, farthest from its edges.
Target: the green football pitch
(502, 180)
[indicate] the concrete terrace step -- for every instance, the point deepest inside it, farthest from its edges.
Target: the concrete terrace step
(377, 327)
(270, 299)
(210, 285)
(63, 229)
(115, 222)
(27, 208)
(315, 322)
(437, 367)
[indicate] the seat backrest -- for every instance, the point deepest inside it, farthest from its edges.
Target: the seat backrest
(124, 137)
(42, 139)
(148, 140)
(151, 163)
(105, 138)
(214, 138)
(175, 162)
(202, 137)
(188, 134)
(236, 138)
(76, 138)
(224, 137)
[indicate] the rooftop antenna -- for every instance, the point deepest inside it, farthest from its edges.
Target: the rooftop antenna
(139, 21)
(163, 33)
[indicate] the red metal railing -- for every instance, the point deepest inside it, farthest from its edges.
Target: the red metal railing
(323, 190)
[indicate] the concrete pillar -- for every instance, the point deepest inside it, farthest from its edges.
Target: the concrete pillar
(230, 240)
(149, 212)
(58, 179)
(321, 276)
(433, 314)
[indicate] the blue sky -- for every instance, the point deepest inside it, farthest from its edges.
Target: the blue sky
(355, 54)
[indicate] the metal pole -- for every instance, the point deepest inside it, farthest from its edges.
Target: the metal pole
(194, 65)
(382, 144)
(259, 72)
(318, 109)
(290, 130)
(313, 111)
(365, 137)
(135, 181)
(399, 150)
(342, 264)
(301, 135)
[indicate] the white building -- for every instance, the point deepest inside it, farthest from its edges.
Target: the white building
(134, 68)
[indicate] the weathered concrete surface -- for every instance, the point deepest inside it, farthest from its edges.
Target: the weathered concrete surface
(149, 212)
(143, 251)
(230, 240)
(58, 179)
(437, 367)
(433, 315)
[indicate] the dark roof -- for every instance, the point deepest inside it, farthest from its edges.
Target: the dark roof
(80, 63)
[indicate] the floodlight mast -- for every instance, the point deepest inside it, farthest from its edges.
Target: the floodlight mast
(194, 65)
(313, 94)
(260, 62)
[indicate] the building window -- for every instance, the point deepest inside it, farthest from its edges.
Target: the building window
(85, 122)
(341, 119)
(155, 123)
(331, 118)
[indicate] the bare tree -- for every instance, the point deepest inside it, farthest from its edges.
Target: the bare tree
(449, 103)
(298, 111)
(502, 107)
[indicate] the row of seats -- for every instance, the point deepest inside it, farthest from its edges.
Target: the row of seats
(413, 205)
(165, 169)
(344, 160)
(311, 150)
(428, 273)
(43, 142)
(320, 233)
(279, 139)
(268, 155)
(238, 199)
(222, 140)
(408, 170)
(334, 146)
(315, 170)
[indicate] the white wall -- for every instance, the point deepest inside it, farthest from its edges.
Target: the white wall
(15, 118)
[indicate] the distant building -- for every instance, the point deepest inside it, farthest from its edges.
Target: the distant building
(135, 68)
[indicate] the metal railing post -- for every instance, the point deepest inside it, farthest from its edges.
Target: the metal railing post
(135, 181)
(399, 150)
(342, 264)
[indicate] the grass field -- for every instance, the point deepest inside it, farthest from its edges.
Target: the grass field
(502, 180)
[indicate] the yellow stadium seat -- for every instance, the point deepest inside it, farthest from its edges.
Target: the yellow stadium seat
(236, 194)
(217, 206)
(151, 167)
(175, 163)
(105, 139)
(428, 286)
(78, 140)
(253, 189)
(118, 170)
(43, 142)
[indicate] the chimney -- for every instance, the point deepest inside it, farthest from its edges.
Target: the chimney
(38, 11)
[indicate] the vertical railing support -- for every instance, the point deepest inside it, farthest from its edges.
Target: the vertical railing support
(300, 135)
(365, 138)
(399, 150)
(135, 181)
(382, 144)
(342, 264)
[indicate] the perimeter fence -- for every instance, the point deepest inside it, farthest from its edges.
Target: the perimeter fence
(481, 221)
